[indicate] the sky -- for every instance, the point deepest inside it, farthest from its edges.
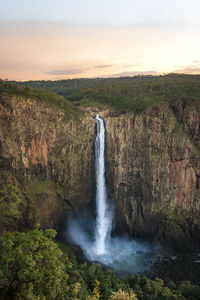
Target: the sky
(61, 39)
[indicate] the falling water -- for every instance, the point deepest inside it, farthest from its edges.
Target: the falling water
(103, 219)
(94, 237)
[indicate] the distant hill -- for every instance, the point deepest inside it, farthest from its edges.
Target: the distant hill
(128, 93)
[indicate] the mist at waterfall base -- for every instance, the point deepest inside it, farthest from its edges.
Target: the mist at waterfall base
(93, 235)
(123, 254)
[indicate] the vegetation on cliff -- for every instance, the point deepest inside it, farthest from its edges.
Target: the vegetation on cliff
(11, 199)
(40, 95)
(45, 153)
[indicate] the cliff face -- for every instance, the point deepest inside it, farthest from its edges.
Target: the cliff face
(47, 159)
(154, 168)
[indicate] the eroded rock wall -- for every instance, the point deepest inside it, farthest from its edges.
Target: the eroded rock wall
(153, 169)
(50, 155)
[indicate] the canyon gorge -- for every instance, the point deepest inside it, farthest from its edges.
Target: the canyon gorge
(152, 162)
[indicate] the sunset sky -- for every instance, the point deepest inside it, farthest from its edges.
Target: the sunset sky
(58, 39)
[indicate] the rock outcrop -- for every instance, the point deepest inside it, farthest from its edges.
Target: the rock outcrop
(153, 169)
(51, 158)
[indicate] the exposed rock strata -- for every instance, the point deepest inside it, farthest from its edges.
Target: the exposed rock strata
(153, 160)
(50, 155)
(154, 170)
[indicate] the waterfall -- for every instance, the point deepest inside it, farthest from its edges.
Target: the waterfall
(121, 253)
(103, 213)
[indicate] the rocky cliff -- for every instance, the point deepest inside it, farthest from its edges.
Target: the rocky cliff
(46, 163)
(154, 167)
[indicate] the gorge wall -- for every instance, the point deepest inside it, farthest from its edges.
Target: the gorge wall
(46, 163)
(153, 168)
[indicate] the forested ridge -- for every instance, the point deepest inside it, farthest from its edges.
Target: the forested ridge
(126, 93)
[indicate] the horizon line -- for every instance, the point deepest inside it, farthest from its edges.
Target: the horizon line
(105, 77)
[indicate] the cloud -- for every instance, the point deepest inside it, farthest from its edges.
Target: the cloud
(192, 69)
(189, 70)
(136, 65)
(132, 73)
(65, 72)
(103, 66)
(196, 61)
(117, 66)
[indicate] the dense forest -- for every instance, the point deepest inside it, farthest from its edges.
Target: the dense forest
(125, 93)
(35, 264)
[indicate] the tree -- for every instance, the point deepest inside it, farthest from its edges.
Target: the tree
(122, 295)
(32, 266)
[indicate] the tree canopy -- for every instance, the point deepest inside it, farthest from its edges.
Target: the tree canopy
(32, 266)
(135, 93)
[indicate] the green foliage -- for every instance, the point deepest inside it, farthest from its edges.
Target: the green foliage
(123, 94)
(64, 88)
(42, 197)
(188, 290)
(126, 93)
(96, 292)
(122, 295)
(39, 95)
(145, 288)
(11, 199)
(26, 202)
(138, 93)
(32, 266)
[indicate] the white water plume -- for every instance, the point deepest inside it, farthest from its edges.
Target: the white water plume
(103, 211)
